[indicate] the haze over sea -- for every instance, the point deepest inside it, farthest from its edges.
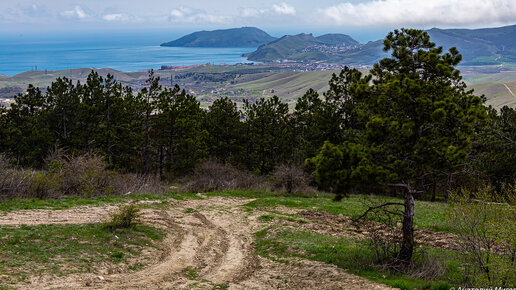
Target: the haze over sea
(120, 50)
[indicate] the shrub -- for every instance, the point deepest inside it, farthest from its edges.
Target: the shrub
(84, 175)
(487, 225)
(44, 184)
(13, 182)
(132, 183)
(211, 175)
(126, 216)
(291, 179)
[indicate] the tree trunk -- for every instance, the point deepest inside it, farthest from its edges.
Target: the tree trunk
(407, 243)
(448, 187)
(434, 188)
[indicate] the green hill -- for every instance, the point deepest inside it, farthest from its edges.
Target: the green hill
(479, 46)
(303, 47)
(485, 46)
(282, 48)
(337, 39)
(234, 37)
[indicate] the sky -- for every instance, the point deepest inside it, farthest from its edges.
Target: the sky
(370, 18)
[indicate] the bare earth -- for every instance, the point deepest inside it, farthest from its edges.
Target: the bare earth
(215, 242)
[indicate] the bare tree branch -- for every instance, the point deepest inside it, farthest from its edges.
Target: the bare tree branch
(376, 207)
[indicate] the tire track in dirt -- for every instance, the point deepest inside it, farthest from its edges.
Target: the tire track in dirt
(212, 246)
(510, 91)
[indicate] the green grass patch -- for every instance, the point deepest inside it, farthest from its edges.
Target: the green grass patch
(191, 273)
(190, 210)
(428, 215)
(354, 256)
(65, 249)
(67, 202)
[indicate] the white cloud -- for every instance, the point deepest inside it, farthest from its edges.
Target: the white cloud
(195, 16)
(422, 12)
(113, 17)
(284, 8)
(252, 12)
(77, 13)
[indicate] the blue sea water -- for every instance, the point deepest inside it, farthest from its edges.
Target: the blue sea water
(120, 50)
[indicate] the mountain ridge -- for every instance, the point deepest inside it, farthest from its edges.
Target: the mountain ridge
(233, 37)
(484, 46)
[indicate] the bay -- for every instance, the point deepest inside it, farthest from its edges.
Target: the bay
(120, 50)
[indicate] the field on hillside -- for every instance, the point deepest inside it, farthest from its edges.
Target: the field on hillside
(209, 82)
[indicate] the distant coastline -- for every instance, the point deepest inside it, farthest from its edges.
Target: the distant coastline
(40, 54)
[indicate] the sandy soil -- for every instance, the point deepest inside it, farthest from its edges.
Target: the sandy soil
(209, 247)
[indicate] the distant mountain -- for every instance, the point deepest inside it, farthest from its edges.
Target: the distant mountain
(303, 46)
(337, 39)
(477, 46)
(234, 37)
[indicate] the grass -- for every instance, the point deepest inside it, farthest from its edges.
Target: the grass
(428, 215)
(64, 249)
(352, 255)
(12, 204)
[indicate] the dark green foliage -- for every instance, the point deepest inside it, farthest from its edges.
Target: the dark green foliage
(225, 130)
(342, 168)
(266, 133)
(177, 130)
(28, 136)
(495, 150)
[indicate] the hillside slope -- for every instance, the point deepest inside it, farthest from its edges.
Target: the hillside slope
(485, 46)
(479, 46)
(304, 47)
(234, 37)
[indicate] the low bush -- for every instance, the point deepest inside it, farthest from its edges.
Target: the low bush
(212, 176)
(126, 216)
(44, 184)
(13, 182)
(291, 179)
(81, 175)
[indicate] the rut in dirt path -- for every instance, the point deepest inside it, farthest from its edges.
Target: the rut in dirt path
(210, 242)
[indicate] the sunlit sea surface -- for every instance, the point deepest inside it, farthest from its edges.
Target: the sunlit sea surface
(125, 51)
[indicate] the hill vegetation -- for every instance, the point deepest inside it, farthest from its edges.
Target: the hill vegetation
(234, 37)
(478, 46)
(303, 47)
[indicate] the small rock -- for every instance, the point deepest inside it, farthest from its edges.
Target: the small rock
(199, 194)
(100, 278)
(128, 193)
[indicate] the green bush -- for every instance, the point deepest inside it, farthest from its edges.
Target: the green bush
(486, 222)
(126, 216)
(45, 184)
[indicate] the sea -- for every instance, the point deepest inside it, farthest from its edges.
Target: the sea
(120, 50)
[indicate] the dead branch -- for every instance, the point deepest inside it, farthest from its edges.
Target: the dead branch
(371, 208)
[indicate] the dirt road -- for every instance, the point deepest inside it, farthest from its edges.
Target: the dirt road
(209, 245)
(507, 87)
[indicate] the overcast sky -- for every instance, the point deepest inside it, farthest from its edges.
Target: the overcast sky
(302, 15)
